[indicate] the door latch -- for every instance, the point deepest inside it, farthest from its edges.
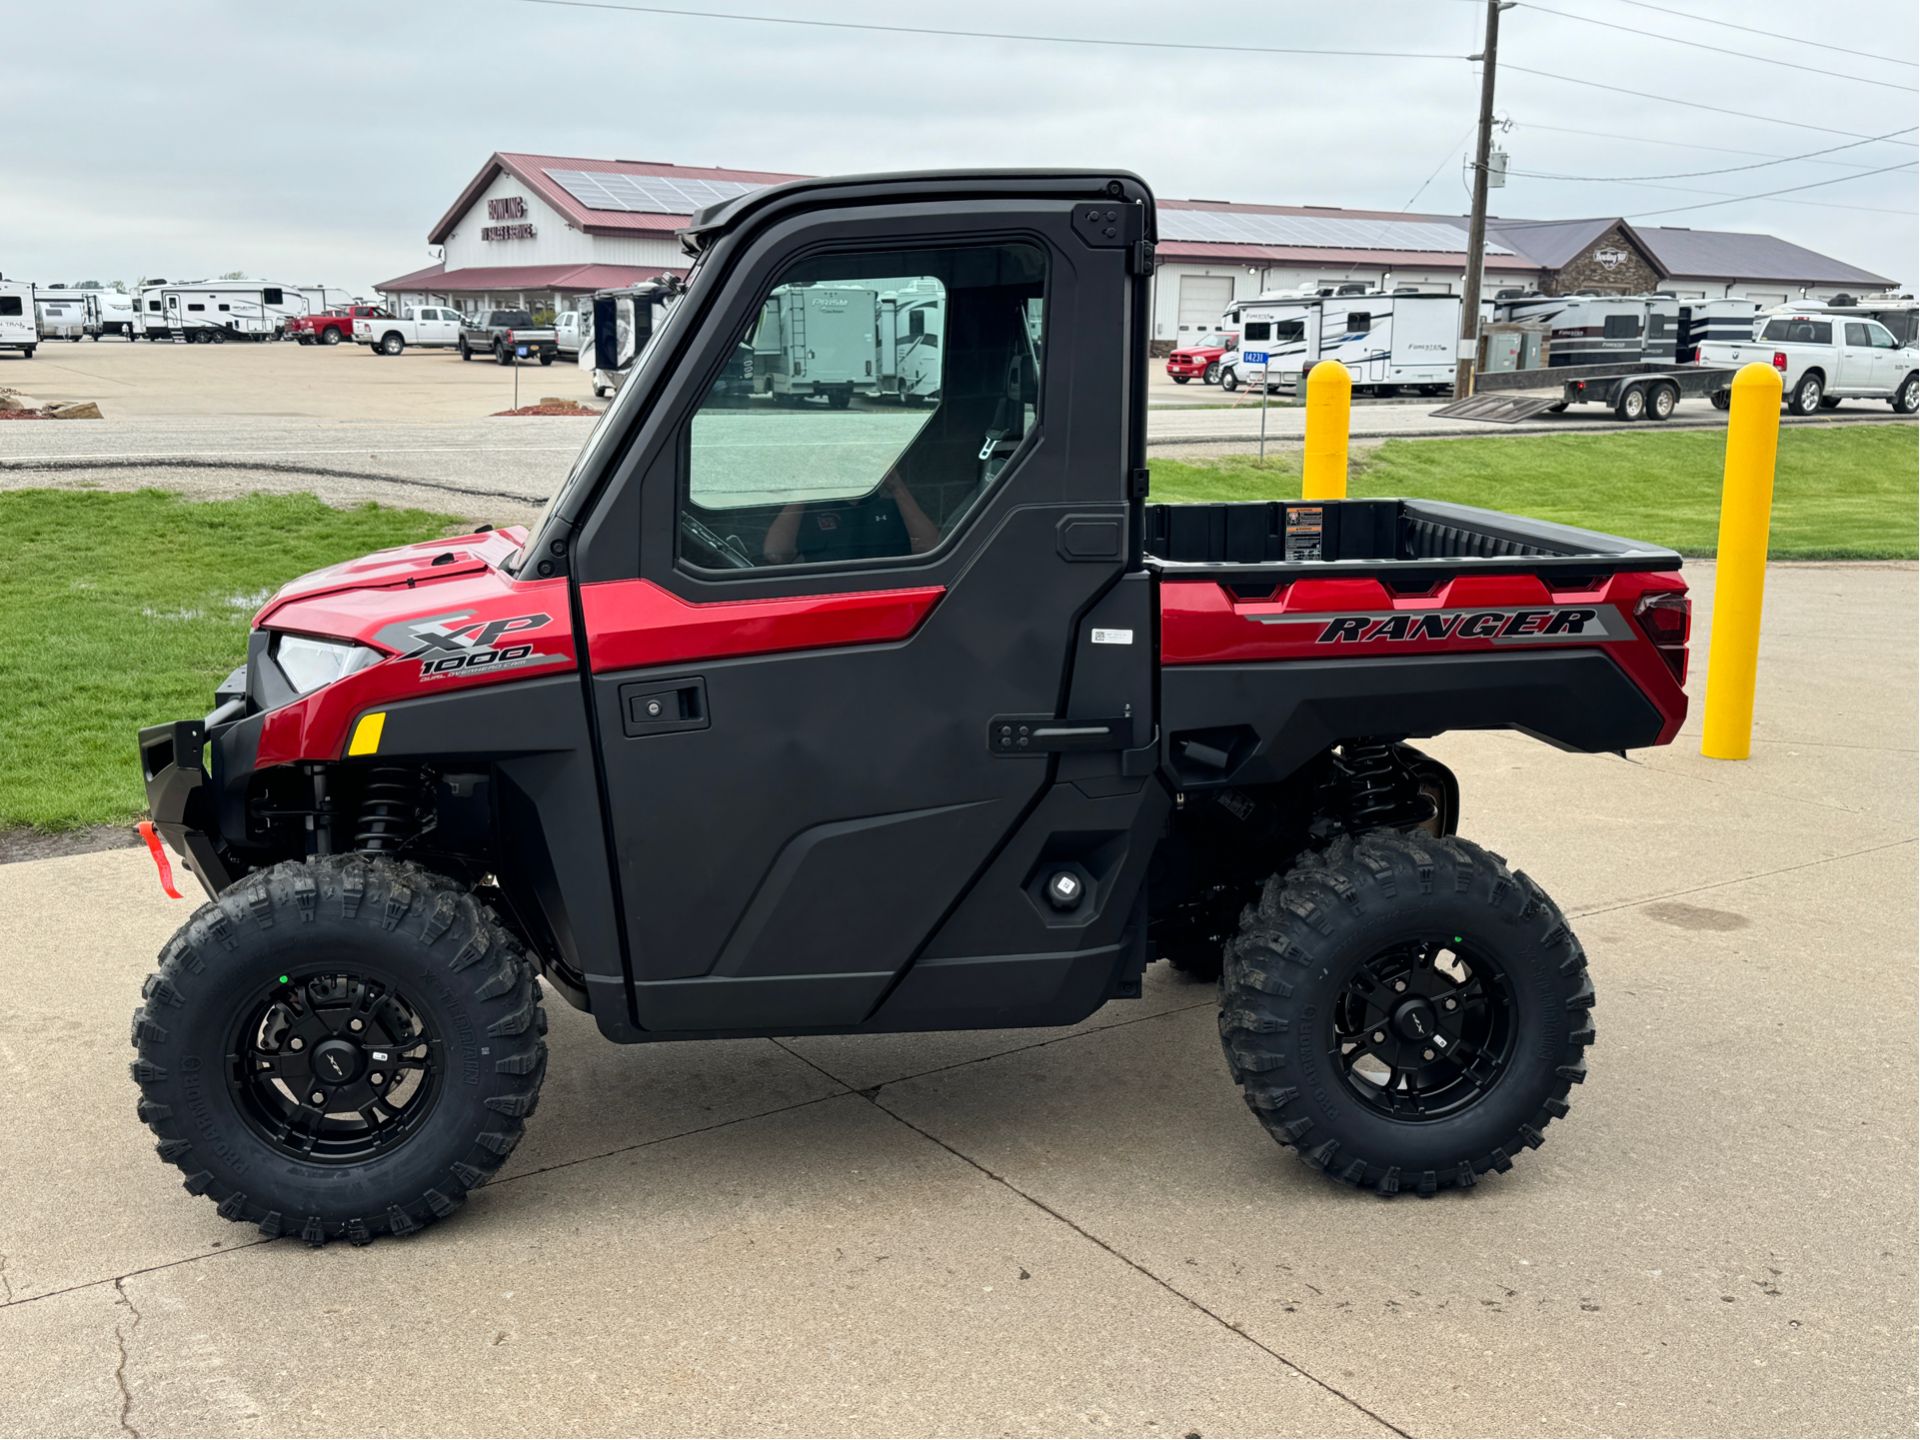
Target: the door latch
(648, 707)
(1016, 735)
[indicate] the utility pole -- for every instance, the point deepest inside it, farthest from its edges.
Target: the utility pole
(1477, 225)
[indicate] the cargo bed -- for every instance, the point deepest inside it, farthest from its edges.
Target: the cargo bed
(1411, 540)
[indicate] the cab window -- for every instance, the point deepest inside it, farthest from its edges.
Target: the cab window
(837, 432)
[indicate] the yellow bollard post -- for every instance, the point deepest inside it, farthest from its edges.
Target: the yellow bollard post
(1329, 416)
(1740, 566)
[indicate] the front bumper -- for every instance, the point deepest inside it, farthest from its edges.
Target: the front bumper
(1188, 368)
(180, 797)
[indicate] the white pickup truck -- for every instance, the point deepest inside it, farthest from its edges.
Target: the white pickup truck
(416, 325)
(1824, 359)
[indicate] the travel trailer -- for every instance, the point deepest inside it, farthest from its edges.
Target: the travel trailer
(60, 312)
(109, 312)
(215, 311)
(615, 330)
(19, 327)
(907, 366)
(1386, 341)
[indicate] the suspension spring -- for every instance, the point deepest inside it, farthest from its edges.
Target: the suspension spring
(1373, 778)
(390, 809)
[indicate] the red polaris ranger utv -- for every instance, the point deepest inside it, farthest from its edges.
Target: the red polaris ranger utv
(794, 719)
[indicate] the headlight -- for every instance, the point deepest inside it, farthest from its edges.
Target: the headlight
(308, 663)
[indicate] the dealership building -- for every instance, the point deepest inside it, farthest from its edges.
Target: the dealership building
(546, 231)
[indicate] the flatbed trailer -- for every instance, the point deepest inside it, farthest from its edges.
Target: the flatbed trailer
(1647, 391)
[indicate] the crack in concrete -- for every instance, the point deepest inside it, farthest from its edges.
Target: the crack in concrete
(6, 1285)
(1140, 1269)
(120, 1369)
(1610, 907)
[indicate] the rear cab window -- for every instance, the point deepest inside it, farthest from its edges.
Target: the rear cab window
(1799, 331)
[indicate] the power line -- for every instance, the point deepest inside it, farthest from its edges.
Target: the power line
(1726, 170)
(1694, 104)
(984, 34)
(1716, 49)
(1811, 204)
(1769, 194)
(1770, 34)
(1674, 144)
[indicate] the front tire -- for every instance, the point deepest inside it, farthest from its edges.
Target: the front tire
(340, 1048)
(1405, 1013)
(1229, 380)
(1906, 400)
(1180, 379)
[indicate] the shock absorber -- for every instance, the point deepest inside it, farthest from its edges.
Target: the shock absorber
(391, 807)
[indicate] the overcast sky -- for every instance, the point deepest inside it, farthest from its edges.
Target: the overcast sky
(317, 140)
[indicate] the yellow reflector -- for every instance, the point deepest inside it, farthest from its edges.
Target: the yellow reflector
(366, 735)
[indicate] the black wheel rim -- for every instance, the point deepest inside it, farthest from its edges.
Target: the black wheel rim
(1424, 1029)
(333, 1068)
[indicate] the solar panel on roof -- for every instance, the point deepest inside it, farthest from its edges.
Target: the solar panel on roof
(646, 194)
(1240, 227)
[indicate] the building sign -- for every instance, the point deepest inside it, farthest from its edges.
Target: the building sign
(509, 208)
(1611, 257)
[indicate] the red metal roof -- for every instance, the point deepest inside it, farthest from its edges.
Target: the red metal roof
(523, 277)
(1200, 253)
(531, 170)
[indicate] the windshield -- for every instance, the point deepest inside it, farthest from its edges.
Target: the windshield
(1212, 342)
(586, 461)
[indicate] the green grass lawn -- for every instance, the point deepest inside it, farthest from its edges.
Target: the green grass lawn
(123, 610)
(1847, 493)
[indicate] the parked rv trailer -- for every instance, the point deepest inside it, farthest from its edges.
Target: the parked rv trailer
(109, 312)
(816, 341)
(215, 311)
(19, 329)
(61, 313)
(1386, 341)
(614, 332)
(907, 366)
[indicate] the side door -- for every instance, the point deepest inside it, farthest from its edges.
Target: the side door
(832, 640)
(173, 313)
(1857, 355)
(1887, 370)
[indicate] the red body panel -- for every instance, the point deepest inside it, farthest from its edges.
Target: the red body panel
(633, 623)
(1201, 623)
(374, 601)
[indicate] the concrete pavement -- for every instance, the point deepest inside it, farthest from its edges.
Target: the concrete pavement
(1085, 1231)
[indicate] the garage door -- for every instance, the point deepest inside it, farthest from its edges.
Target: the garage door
(1202, 298)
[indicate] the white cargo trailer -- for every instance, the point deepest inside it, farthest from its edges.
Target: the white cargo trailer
(109, 312)
(19, 328)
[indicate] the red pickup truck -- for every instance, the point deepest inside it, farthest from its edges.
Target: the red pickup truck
(1201, 359)
(332, 327)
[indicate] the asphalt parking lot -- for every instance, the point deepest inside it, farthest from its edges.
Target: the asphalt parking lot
(1085, 1231)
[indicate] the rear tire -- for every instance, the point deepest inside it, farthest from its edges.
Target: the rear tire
(393, 343)
(1180, 379)
(1805, 399)
(1721, 399)
(1392, 922)
(1632, 404)
(375, 950)
(1661, 400)
(330, 337)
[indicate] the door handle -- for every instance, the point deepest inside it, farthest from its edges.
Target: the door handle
(650, 707)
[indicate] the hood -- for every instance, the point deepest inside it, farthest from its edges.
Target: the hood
(408, 566)
(362, 600)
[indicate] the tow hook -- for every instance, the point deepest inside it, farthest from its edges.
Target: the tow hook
(160, 861)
